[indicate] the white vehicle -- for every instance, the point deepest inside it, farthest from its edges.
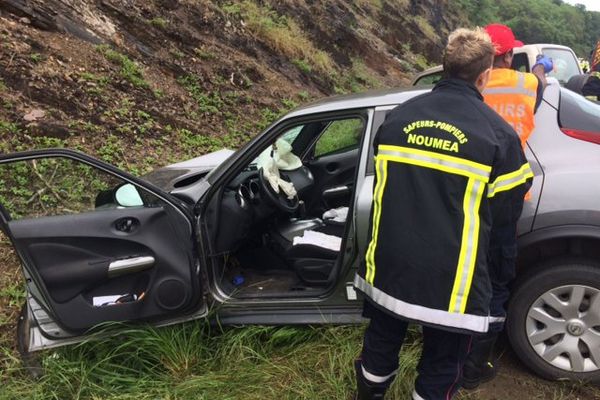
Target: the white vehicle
(565, 63)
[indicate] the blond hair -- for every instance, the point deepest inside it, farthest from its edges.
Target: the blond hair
(468, 53)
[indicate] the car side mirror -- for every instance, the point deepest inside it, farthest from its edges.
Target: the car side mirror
(127, 195)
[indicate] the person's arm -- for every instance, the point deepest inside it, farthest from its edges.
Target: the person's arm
(542, 66)
(539, 94)
(509, 182)
(538, 71)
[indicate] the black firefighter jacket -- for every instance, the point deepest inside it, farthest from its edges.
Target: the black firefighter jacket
(444, 162)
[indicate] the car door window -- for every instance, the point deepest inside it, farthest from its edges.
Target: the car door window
(62, 186)
(339, 136)
(431, 79)
(520, 62)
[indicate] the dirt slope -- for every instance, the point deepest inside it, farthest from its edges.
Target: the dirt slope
(110, 75)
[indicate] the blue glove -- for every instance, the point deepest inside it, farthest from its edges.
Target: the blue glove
(544, 61)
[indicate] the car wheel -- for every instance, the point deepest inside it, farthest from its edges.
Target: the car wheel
(553, 320)
(31, 361)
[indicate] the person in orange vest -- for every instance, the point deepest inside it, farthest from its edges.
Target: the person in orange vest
(516, 96)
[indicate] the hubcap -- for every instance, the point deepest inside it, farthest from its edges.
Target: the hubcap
(563, 327)
(576, 327)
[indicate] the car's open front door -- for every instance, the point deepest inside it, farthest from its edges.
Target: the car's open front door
(96, 245)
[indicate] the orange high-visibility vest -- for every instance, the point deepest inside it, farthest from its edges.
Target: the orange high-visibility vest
(512, 94)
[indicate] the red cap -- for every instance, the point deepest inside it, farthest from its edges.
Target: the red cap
(502, 37)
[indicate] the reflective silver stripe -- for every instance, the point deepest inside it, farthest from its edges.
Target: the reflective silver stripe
(376, 378)
(509, 90)
(469, 322)
(468, 169)
(518, 89)
(509, 181)
(497, 319)
(520, 80)
(465, 269)
(416, 396)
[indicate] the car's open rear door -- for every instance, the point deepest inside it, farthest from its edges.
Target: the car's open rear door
(97, 245)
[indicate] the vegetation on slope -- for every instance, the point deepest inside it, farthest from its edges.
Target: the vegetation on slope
(539, 21)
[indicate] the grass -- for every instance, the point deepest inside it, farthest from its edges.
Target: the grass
(198, 361)
(130, 70)
(282, 35)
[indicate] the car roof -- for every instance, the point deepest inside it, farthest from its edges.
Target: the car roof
(369, 99)
(544, 45)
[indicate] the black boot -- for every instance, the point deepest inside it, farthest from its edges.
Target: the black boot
(479, 366)
(367, 390)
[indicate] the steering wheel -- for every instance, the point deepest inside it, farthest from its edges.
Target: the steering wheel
(280, 199)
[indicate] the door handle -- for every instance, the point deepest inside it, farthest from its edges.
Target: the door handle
(129, 265)
(126, 225)
(336, 191)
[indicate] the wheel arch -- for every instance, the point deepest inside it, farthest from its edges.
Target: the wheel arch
(556, 242)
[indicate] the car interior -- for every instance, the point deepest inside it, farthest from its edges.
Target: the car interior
(279, 224)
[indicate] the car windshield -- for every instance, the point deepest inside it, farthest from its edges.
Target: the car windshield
(565, 64)
(289, 136)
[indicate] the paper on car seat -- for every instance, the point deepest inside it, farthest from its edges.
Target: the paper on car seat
(319, 239)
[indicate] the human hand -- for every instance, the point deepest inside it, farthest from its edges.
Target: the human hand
(545, 62)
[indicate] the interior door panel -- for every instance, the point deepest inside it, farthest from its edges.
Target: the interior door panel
(72, 256)
(334, 179)
(97, 244)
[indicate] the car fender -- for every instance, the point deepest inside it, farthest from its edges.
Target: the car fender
(558, 232)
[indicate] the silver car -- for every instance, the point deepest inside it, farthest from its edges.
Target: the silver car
(98, 244)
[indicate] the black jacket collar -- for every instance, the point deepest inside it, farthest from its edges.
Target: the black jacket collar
(458, 85)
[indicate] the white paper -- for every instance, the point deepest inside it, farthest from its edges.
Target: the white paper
(319, 239)
(105, 300)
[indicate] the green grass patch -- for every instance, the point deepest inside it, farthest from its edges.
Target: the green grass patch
(282, 34)
(207, 102)
(14, 293)
(130, 70)
(302, 66)
(159, 22)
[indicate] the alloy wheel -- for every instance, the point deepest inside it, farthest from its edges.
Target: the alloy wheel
(563, 327)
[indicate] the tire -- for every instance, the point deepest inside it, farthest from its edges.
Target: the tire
(553, 338)
(31, 361)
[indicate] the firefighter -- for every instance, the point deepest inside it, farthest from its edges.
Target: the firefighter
(444, 163)
(512, 94)
(516, 96)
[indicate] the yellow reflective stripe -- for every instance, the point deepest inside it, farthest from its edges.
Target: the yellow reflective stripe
(510, 180)
(482, 167)
(442, 162)
(377, 200)
(468, 247)
(475, 238)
